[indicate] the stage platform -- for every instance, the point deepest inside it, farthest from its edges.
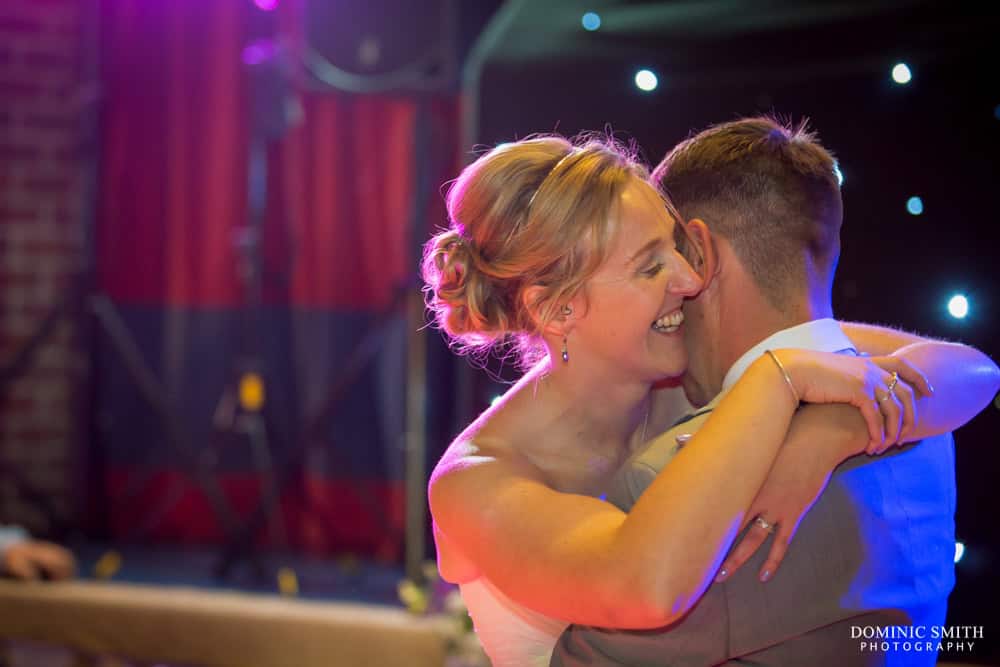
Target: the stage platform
(162, 606)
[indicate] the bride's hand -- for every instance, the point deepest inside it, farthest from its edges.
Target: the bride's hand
(905, 399)
(820, 437)
(880, 387)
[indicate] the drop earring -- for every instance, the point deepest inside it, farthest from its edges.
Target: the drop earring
(566, 312)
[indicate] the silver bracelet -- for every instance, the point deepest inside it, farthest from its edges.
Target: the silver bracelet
(784, 374)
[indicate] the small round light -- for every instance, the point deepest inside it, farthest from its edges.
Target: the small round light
(958, 306)
(496, 399)
(959, 551)
(251, 392)
(915, 205)
(646, 80)
(591, 21)
(901, 74)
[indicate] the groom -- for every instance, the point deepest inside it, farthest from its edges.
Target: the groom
(876, 549)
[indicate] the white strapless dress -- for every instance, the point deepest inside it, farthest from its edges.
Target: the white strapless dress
(512, 635)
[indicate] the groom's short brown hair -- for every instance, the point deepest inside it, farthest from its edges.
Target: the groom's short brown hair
(771, 189)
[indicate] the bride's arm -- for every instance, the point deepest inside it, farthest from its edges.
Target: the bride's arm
(822, 436)
(964, 381)
(964, 378)
(877, 340)
(582, 560)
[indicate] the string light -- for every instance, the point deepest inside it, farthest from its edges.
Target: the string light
(958, 306)
(901, 74)
(646, 80)
(591, 21)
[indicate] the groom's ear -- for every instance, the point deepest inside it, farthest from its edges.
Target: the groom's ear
(705, 259)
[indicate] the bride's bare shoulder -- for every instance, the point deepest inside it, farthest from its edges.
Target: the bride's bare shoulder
(493, 438)
(458, 478)
(476, 452)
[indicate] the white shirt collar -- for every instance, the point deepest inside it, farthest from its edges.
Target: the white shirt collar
(819, 335)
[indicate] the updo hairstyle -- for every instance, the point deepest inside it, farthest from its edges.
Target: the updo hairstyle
(531, 212)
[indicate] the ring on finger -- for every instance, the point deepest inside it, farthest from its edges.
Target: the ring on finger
(764, 523)
(890, 388)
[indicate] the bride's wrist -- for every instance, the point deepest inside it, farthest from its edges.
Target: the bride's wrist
(780, 360)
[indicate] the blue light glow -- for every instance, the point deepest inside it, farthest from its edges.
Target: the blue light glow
(591, 21)
(915, 205)
(958, 306)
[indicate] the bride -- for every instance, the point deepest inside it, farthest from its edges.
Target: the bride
(569, 251)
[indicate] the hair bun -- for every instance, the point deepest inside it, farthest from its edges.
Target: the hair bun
(452, 261)
(529, 224)
(459, 295)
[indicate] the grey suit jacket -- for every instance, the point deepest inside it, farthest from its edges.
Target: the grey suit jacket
(877, 548)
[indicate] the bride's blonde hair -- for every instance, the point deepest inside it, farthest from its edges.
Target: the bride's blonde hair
(536, 212)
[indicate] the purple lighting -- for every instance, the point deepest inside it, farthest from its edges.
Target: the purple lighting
(259, 52)
(266, 5)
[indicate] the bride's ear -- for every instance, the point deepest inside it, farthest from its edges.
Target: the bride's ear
(535, 301)
(705, 258)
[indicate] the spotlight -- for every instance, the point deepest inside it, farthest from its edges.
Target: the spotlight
(959, 550)
(901, 74)
(496, 399)
(915, 205)
(958, 306)
(591, 21)
(646, 80)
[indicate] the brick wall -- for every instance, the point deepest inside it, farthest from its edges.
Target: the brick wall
(42, 206)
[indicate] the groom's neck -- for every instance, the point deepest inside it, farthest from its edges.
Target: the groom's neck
(750, 319)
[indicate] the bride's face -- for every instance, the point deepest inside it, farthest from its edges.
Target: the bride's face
(632, 317)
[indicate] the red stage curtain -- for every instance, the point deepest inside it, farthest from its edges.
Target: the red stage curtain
(173, 184)
(338, 242)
